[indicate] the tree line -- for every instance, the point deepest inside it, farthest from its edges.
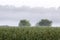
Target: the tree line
(42, 22)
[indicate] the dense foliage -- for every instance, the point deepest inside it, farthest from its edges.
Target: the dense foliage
(24, 23)
(29, 33)
(44, 22)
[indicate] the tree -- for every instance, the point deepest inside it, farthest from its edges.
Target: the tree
(44, 22)
(24, 23)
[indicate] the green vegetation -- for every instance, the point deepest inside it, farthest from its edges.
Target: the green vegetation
(24, 23)
(44, 22)
(29, 33)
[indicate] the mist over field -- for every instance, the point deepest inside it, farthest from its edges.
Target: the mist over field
(10, 15)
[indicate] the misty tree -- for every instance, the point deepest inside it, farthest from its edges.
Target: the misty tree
(44, 22)
(24, 23)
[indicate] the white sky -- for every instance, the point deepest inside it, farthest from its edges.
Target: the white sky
(32, 3)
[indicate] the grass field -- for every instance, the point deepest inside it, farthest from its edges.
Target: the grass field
(29, 33)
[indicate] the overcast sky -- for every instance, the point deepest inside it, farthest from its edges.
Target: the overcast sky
(32, 3)
(32, 10)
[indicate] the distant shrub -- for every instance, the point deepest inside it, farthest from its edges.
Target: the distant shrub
(44, 22)
(24, 23)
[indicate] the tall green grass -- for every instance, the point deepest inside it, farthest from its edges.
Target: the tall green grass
(29, 33)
